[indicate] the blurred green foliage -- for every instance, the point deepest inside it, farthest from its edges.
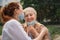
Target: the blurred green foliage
(46, 9)
(54, 30)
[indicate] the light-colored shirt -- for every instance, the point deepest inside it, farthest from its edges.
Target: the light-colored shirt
(13, 30)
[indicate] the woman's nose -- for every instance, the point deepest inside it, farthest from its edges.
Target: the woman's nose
(29, 17)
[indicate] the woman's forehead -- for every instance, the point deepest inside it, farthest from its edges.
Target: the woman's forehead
(20, 5)
(29, 12)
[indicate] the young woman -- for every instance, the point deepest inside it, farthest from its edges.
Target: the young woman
(12, 29)
(37, 28)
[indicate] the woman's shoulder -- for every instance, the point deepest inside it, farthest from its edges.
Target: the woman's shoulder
(12, 21)
(37, 23)
(9, 23)
(41, 25)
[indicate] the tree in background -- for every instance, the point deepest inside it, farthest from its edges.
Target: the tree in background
(47, 10)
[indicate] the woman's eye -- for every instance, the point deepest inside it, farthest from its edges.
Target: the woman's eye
(26, 15)
(30, 14)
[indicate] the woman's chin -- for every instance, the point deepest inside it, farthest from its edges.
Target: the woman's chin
(28, 21)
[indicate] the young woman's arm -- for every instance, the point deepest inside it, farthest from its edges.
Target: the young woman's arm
(37, 35)
(47, 36)
(33, 31)
(41, 35)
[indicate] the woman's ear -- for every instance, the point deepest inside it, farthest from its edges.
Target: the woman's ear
(15, 11)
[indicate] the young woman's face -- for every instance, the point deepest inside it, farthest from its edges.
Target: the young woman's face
(19, 11)
(29, 16)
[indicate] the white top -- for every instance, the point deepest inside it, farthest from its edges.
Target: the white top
(13, 30)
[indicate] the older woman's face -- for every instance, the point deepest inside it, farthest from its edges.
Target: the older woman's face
(29, 16)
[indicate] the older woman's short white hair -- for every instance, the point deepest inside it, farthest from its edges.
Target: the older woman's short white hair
(30, 9)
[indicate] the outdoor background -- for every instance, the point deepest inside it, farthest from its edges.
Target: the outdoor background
(48, 13)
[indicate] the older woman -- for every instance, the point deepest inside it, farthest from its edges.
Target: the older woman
(37, 28)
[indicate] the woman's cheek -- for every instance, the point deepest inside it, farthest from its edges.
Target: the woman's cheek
(25, 19)
(32, 17)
